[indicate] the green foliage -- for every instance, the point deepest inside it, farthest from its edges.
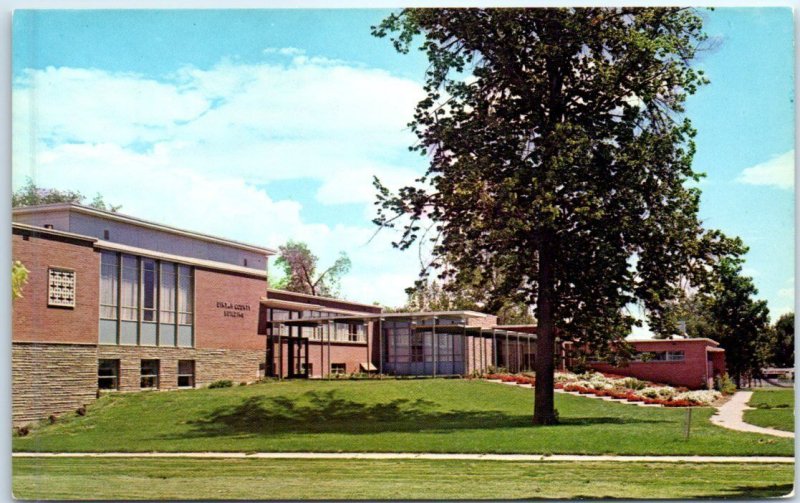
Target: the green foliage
(634, 384)
(782, 348)
(19, 277)
(299, 266)
(222, 383)
(724, 384)
(559, 162)
(774, 409)
(31, 195)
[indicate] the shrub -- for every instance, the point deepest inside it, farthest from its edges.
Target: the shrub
(633, 383)
(222, 383)
(81, 411)
(23, 431)
(724, 384)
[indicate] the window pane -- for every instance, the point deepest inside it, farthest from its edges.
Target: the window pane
(109, 279)
(149, 374)
(185, 300)
(167, 293)
(185, 373)
(149, 285)
(107, 374)
(129, 300)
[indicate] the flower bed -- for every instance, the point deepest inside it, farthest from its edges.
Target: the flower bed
(620, 387)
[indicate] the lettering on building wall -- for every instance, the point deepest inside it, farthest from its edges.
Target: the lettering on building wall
(231, 310)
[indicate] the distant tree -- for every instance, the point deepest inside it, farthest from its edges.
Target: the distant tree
(693, 311)
(300, 275)
(559, 161)
(19, 277)
(782, 350)
(741, 323)
(32, 195)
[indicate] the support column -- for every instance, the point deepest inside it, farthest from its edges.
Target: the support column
(380, 346)
(329, 349)
(494, 347)
(435, 349)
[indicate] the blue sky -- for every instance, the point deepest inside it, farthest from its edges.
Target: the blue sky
(267, 125)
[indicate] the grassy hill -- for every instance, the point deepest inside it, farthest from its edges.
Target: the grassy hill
(431, 415)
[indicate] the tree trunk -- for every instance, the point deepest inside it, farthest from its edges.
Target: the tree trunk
(543, 408)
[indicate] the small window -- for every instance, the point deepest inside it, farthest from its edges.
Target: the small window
(48, 226)
(245, 262)
(675, 356)
(108, 374)
(338, 368)
(149, 375)
(308, 368)
(61, 287)
(186, 373)
(105, 234)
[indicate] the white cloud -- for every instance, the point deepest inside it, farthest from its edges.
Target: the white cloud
(197, 150)
(777, 172)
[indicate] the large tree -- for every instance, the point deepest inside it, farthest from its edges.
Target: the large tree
(559, 162)
(300, 274)
(31, 195)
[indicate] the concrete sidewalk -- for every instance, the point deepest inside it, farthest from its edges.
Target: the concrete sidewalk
(411, 455)
(731, 415)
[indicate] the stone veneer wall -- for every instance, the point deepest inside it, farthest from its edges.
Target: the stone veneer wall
(59, 378)
(238, 365)
(51, 379)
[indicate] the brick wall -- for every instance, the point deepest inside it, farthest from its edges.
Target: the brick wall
(33, 320)
(51, 379)
(237, 330)
(691, 372)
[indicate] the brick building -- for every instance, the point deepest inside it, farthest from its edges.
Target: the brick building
(692, 363)
(114, 302)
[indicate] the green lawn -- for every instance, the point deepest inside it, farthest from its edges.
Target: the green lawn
(774, 409)
(429, 415)
(205, 479)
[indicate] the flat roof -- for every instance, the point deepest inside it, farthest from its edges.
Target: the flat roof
(54, 232)
(317, 297)
(695, 339)
(118, 217)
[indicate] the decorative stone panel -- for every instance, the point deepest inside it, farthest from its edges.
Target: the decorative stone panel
(51, 379)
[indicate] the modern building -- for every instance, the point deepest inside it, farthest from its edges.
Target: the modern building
(115, 302)
(118, 303)
(692, 363)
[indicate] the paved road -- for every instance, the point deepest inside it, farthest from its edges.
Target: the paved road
(410, 455)
(731, 415)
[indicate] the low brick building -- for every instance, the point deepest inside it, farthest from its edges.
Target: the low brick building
(118, 303)
(692, 363)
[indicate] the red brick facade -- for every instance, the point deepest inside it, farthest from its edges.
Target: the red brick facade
(702, 361)
(226, 310)
(33, 320)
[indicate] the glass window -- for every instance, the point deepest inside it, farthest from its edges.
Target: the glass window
(149, 289)
(417, 346)
(108, 374)
(167, 293)
(675, 356)
(338, 368)
(186, 373)
(109, 285)
(149, 374)
(185, 304)
(129, 300)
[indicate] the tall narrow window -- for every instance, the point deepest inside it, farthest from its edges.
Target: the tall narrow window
(185, 305)
(167, 304)
(109, 297)
(129, 301)
(148, 334)
(149, 288)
